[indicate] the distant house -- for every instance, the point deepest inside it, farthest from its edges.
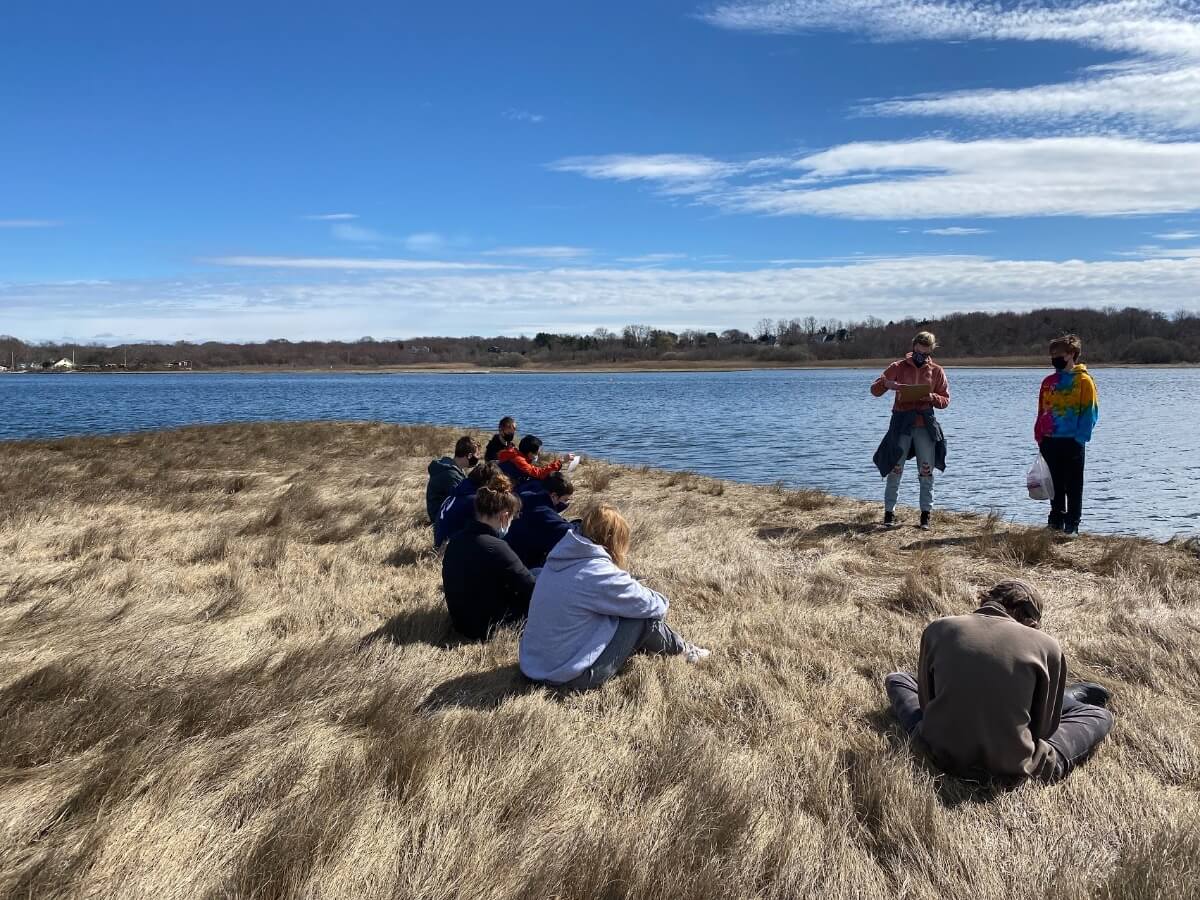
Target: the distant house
(3, 368)
(63, 364)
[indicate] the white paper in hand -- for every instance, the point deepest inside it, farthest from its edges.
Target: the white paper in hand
(573, 465)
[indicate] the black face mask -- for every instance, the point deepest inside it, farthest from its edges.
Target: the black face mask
(919, 359)
(508, 438)
(1059, 362)
(472, 461)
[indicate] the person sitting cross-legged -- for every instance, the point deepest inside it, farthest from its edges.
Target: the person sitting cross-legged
(520, 462)
(459, 508)
(447, 473)
(486, 585)
(541, 525)
(991, 699)
(588, 615)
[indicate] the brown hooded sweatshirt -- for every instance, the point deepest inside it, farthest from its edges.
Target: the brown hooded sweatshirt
(991, 692)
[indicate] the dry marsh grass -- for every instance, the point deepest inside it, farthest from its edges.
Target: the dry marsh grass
(226, 671)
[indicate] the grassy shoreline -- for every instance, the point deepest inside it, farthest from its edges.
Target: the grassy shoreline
(226, 670)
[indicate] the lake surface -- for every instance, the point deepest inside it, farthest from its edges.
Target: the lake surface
(805, 428)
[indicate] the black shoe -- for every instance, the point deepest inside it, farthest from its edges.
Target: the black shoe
(924, 520)
(1089, 692)
(889, 519)
(1054, 524)
(1071, 529)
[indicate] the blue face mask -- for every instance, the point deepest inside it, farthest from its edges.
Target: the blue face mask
(503, 529)
(919, 358)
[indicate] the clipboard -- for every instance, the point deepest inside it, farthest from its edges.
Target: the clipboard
(911, 392)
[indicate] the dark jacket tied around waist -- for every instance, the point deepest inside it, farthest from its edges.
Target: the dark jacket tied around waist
(903, 422)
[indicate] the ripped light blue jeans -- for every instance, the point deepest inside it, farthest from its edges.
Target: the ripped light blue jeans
(925, 447)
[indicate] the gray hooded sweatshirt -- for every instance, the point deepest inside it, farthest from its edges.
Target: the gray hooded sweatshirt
(580, 597)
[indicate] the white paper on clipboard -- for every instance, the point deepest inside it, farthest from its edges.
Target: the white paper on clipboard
(573, 465)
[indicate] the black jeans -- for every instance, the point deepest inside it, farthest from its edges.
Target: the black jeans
(1081, 727)
(651, 636)
(1065, 457)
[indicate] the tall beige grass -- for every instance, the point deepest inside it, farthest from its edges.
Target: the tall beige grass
(226, 671)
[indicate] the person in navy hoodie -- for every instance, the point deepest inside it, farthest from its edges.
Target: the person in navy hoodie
(541, 524)
(459, 507)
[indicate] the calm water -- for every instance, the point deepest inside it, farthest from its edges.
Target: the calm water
(806, 428)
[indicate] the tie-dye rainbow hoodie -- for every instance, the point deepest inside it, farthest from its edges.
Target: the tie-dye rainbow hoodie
(1067, 406)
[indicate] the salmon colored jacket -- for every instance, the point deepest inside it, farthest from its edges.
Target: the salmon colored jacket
(525, 467)
(905, 371)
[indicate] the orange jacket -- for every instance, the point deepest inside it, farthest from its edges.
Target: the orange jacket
(905, 371)
(525, 467)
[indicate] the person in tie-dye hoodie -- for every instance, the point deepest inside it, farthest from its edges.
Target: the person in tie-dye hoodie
(1067, 412)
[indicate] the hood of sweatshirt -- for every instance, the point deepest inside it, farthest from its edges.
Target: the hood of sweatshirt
(445, 464)
(574, 550)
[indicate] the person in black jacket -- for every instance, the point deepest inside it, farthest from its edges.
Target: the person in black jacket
(541, 525)
(486, 584)
(505, 436)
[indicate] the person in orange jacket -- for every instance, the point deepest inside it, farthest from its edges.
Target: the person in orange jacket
(914, 430)
(520, 463)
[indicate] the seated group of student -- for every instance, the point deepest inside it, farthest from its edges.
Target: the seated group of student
(990, 700)
(511, 556)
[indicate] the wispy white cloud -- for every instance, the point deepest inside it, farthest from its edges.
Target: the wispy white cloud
(1152, 251)
(556, 251)
(1156, 83)
(676, 173)
(1177, 236)
(394, 297)
(29, 223)
(332, 217)
(347, 264)
(653, 258)
(524, 115)
(425, 242)
(957, 231)
(932, 179)
(344, 231)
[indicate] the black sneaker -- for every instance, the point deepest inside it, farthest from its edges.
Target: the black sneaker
(925, 520)
(889, 519)
(1089, 692)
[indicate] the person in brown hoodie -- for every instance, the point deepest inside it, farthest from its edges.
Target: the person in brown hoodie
(991, 698)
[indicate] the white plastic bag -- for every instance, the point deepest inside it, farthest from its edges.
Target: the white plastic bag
(573, 464)
(1039, 482)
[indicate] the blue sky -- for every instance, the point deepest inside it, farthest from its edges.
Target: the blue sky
(244, 171)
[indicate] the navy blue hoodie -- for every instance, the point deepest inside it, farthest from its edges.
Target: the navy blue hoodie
(456, 512)
(538, 528)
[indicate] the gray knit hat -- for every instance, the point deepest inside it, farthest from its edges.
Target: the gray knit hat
(1014, 594)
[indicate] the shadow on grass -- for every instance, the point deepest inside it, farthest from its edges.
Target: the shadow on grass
(934, 543)
(479, 690)
(827, 530)
(951, 791)
(431, 627)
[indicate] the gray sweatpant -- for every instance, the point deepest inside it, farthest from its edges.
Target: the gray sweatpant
(653, 636)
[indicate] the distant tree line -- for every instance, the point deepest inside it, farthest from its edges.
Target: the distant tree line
(1127, 335)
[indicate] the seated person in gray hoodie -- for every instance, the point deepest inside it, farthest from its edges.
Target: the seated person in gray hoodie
(446, 474)
(991, 698)
(588, 615)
